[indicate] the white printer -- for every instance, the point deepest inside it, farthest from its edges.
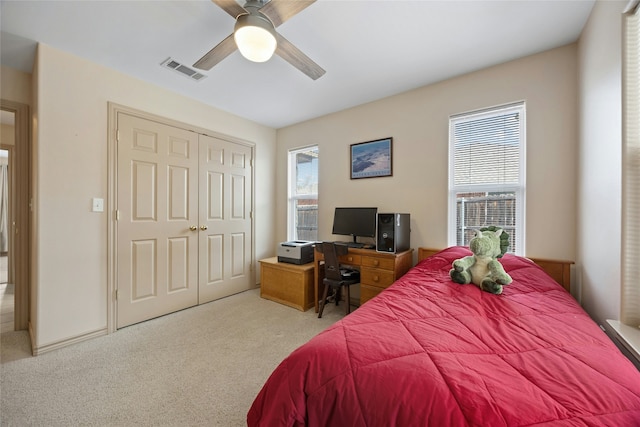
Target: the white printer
(296, 252)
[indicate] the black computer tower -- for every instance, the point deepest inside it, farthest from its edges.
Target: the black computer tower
(392, 232)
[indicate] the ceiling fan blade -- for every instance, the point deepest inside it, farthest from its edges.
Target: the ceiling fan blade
(225, 48)
(231, 7)
(279, 11)
(294, 56)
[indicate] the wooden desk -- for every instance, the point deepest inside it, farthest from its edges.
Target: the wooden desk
(378, 270)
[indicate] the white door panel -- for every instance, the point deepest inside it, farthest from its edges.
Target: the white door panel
(157, 205)
(225, 244)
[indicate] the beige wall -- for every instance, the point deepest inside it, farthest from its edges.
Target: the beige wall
(71, 168)
(15, 85)
(418, 122)
(7, 134)
(600, 181)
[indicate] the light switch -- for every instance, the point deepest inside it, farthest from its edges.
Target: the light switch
(97, 205)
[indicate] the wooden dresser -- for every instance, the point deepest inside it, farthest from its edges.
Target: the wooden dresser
(378, 270)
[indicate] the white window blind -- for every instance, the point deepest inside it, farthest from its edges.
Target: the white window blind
(487, 150)
(487, 173)
(302, 219)
(630, 301)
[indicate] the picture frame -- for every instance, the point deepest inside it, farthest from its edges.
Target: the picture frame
(372, 159)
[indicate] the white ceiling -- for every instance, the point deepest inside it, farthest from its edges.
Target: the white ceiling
(370, 49)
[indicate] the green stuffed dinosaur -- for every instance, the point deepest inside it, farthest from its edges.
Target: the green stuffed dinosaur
(483, 268)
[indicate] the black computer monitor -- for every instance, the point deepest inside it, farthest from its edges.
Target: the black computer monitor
(355, 222)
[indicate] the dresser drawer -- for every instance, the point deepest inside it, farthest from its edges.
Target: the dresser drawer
(376, 277)
(376, 262)
(350, 259)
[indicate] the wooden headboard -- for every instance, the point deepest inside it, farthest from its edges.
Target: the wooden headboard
(559, 270)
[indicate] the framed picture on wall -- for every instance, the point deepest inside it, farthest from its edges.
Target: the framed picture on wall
(371, 159)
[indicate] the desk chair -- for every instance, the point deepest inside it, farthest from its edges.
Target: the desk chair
(334, 276)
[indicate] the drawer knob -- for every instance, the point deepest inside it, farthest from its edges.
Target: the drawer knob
(376, 279)
(376, 262)
(350, 258)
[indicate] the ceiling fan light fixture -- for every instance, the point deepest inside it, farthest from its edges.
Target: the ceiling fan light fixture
(255, 37)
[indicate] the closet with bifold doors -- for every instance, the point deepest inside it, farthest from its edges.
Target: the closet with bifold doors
(183, 218)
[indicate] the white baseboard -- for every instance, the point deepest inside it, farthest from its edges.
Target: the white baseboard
(67, 342)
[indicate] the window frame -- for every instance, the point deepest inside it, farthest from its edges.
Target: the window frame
(518, 188)
(292, 196)
(630, 238)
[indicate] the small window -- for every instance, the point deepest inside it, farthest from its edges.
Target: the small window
(486, 174)
(302, 221)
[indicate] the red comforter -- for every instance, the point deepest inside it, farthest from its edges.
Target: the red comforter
(428, 351)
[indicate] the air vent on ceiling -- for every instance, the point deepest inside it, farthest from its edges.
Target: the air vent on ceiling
(182, 69)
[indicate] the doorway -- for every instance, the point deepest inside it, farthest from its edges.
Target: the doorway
(15, 119)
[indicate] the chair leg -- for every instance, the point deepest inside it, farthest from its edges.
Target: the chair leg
(322, 301)
(348, 301)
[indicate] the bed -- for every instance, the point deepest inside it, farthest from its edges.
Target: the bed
(430, 352)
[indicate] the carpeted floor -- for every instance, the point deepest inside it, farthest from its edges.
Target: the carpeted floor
(198, 367)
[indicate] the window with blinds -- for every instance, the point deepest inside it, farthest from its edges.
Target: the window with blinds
(302, 218)
(628, 326)
(486, 173)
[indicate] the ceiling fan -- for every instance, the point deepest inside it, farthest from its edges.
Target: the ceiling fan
(255, 35)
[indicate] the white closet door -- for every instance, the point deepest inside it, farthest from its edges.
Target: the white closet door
(157, 237)
(225, 218)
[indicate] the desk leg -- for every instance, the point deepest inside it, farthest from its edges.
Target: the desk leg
(316, 277)
(318, 286)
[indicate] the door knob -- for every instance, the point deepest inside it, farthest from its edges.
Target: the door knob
(203, 227)
(193, 228)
